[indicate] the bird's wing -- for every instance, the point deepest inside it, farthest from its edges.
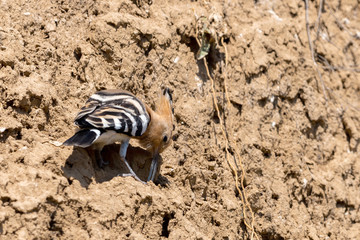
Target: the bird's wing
(114, 110)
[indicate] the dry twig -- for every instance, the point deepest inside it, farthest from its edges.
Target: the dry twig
(312, 47)
(318, 23)
(236, 149)
(228, 141)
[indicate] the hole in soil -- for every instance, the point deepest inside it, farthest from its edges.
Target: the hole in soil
(9, 104)
(347, 132)
(226, 40)
(148, 50)
(215, 222)
(275, 196)
(18, 136)
(262, 102)
(78, 54)
(182, 162)
(167, 217)
(271, 234)
(215, 118)
(53, 225)
(238, 106)
(253, 75)
(69, 181)
(191, 43)
(267, 154)
(5, 199)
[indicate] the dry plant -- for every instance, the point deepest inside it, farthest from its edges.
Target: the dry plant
(314, 55)
(209, 38)
(311, 45)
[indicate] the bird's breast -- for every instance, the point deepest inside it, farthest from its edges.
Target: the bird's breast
(110, 137)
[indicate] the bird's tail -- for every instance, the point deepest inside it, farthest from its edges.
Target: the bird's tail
(83, 138)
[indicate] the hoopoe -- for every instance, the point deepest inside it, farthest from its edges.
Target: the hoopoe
(111, 116)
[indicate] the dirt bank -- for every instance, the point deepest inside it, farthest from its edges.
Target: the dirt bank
(299, 151)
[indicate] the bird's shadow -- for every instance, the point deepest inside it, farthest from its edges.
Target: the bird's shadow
(81, 164)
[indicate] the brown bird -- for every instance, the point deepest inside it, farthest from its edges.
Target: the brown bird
(111, 116)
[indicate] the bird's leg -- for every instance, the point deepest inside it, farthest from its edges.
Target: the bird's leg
(153, 168)
(122, 153)
(99, 160)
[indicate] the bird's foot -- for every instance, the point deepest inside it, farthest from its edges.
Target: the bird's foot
(124, 175)
(132, 173)
(101, 163)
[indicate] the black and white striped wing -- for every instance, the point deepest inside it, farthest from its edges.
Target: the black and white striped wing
(114, 110)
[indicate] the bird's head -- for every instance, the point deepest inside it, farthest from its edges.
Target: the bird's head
(158, 135)
(159, 132)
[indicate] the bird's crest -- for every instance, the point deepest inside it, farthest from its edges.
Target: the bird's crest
(164, 106)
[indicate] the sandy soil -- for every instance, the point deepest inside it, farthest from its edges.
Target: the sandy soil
(299, 151)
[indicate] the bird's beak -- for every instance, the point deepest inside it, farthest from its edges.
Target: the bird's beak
(153, 166)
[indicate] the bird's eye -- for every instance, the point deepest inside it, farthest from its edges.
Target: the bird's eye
(165, 139)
